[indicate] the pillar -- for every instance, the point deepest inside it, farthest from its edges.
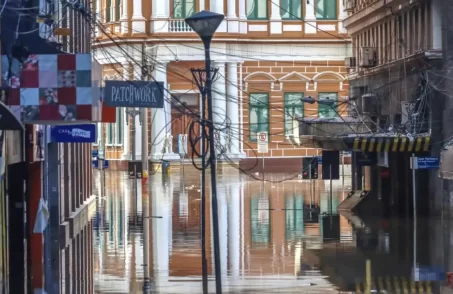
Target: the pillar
(242, 17)
(342, 14)
(98, 18)
(234, 231)
(436, 19)
(138, 21)
(276, 19)
(219, 106)
(138, 125)
(310, 18)
(124, 19)
(233, 23)
(218, 7)
(223, 227)
(126, 155)
(160, 15)
(233, 108)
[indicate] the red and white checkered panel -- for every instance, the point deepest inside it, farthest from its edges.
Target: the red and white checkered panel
(54, 88)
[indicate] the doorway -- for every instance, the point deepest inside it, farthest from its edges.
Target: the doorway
(182, 117)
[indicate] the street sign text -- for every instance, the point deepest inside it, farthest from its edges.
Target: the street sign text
(143, 94)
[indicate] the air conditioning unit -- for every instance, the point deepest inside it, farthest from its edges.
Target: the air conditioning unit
(350, 62)
(367, 57)
(349, 5)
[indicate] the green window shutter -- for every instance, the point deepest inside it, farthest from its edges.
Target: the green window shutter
(260, 219)
(119, 125)
(108, 11)
(258, 114)
(326, 9)
(293, 107)
(256, 9)
(291, 9)
(110, 133)
(328, 111)
(118, 10)
(183, 8)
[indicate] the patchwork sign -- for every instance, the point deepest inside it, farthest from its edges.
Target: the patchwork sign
(55, 88)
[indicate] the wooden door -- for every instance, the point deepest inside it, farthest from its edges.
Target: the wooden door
(181, 119)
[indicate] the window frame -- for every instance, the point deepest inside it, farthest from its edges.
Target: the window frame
(119, 127)
(109, 135)
(325, 106)
(108, 11)
(291, 14)
(259, 106)
(183, 4)
(285, 106)
(118, 10)
(324, 9)
(255, 17)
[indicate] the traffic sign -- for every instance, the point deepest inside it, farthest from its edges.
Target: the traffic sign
(263, 142)
(426, 162)
(182, 144)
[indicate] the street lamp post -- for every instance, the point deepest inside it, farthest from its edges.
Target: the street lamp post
(205, 24)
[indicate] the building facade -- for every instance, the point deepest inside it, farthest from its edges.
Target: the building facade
(269, 54)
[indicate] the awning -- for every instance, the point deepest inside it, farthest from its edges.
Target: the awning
(8, 120)
(388, 144)
(446, 164)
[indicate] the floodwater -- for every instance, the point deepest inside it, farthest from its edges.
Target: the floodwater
(284, 236)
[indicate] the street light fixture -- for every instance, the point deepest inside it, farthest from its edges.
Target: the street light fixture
(205, 24)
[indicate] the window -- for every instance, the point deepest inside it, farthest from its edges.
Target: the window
(328, 110)
(183, 8)
(258, 114)
(294, 107)
(257, 9)
(291, 9)
(326, 9)
(119, 126)
(109, 134)
(108, 11)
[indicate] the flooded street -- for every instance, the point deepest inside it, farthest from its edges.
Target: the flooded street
(284, 237)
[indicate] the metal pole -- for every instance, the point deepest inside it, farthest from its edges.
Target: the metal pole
(330, 206)
(414, 199)
(368, 276)
(212, 155)
(144, 115)
(204, 261)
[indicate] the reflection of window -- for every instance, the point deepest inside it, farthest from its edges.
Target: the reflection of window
(326, 9)
(325, 202)
(294, 217)
(258, 114)
(111, 219)
(260, 219)
(183, 8)
(328, 111)
(257, 9)
(291, 9)
(294, 107)
(120, 223)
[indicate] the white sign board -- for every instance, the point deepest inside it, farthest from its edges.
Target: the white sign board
(263, 142)
(182, 144)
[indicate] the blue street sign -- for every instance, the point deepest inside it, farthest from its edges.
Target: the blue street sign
(95, 163)
(427, 163)
(144, 94)
(74, 134)
(429, 274)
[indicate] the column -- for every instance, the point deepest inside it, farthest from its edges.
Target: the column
(341, 16)
(436, 23)
(160, 16)
(234, 231)
(233, 109)
(276, 19)
(219, 105)
(160, 228)
(242, 17)
(126, 134)
(223, 227)
(124, 17)
(138, 21)
(138, 126)
(97, 18)
(218, 7)
(233, 23)
(161, 121)
(310, 18)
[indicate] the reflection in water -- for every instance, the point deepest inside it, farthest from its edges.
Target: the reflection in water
(274, 238)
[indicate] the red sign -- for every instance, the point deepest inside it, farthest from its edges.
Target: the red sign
(263, 137)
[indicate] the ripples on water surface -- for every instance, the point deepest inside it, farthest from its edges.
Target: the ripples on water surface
(270, 239)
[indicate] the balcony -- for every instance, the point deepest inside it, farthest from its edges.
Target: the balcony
(178, 26)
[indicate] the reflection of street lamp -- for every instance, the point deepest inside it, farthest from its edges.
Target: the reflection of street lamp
(205, 24)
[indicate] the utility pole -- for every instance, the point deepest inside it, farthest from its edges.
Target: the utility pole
(144, 114)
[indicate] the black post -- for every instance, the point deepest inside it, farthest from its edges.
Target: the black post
(212, 160)
(204, 261)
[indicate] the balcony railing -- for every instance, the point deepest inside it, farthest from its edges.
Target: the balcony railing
(178, 26)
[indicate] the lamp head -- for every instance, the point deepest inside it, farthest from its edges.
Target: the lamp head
(205, 23)
(309, 100)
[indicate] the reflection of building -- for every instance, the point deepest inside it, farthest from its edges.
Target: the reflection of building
(263, 82)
